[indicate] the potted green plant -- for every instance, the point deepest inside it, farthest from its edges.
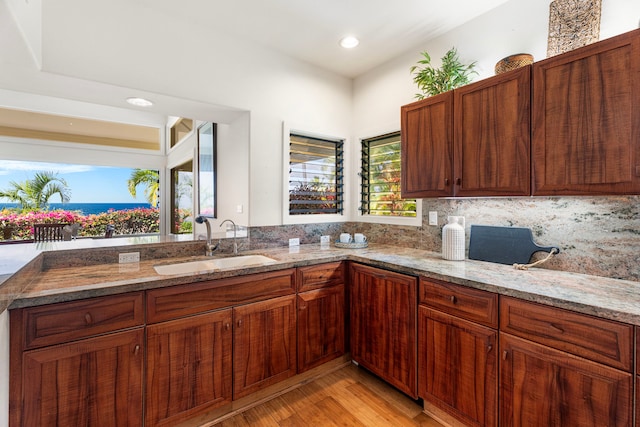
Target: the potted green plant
(452, 74)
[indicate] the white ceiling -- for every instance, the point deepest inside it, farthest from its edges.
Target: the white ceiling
(310, 30)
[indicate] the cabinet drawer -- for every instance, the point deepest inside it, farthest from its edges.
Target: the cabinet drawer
(472, 304)
(601, 340)
(320, 276)
(68, 321)
(183, 300)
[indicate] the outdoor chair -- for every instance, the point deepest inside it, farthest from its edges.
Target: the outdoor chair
(48, 232)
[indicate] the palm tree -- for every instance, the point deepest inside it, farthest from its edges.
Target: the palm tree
(149, 178)
(34, 194)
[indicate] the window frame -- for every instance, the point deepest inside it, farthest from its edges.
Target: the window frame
(287, 218)
(381, 219)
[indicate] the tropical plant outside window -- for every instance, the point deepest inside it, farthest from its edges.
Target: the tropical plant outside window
(315, 175)
(32, 193)
(380, 178)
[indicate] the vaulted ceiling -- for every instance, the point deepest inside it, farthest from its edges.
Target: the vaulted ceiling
(308, 30)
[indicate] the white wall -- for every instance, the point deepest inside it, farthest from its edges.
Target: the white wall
(218, 71)
(515, 27)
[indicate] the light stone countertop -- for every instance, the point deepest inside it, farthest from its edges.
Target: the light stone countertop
(608, 298)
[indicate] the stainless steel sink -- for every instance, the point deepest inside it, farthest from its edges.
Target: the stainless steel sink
(213, 264)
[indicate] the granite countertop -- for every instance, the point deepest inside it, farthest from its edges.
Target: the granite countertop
(603, 297)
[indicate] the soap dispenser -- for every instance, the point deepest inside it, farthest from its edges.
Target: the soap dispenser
(453, 240)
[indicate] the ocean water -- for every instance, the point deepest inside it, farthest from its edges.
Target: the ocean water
(87, 208)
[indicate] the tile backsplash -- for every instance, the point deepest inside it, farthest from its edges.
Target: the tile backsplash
(597, 235)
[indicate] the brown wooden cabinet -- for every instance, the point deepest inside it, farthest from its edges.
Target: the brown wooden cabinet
(472, 141)
(383, 324)
(600, 340)
(457, 358)
(92, 376)
(492, 136)
(321, 314)
(215, 341)
(586, 120)
(554, 372)
(427, 147)
(541, 386)
(264, 344)
(96, 381)
(189, 367)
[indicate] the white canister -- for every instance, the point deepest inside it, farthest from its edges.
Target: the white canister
(453, 239)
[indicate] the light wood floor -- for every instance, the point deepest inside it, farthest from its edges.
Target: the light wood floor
(347, 397)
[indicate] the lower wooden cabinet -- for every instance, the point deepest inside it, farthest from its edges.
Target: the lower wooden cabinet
(92, 382)
(458, 367)
(188, 367)
(383, 325)
(541, 386)
(320, 326)
(264, 344)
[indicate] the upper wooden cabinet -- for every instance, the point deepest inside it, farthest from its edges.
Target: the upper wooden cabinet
(491, 125)
(473, 141)
(586, 120)
(427, 147)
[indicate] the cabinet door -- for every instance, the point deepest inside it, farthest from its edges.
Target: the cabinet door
(586, 120)
(320, 326)
(188, 367)
(93, 382)
(492, 136)
(541, 386)
(427, 147)
(457, 366)
(264, 344)
(383, 325)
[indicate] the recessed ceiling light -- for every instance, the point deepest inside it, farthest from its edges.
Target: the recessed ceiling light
(349, 42)
(139, 102)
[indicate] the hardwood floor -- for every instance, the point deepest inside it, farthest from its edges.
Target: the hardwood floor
(349, 396)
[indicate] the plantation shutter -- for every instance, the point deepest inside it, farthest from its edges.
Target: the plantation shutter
(315, 175)
(380, 178)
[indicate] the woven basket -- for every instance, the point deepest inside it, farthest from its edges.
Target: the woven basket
(512, 62)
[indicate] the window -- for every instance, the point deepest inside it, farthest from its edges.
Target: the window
(207, 170)
(181, 128)
(91, 196)
(315, 175)
(182, 198)
(380, 173)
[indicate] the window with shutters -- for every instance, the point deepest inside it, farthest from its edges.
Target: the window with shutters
(315, 176)
(380, 179)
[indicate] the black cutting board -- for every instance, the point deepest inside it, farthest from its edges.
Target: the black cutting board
(503, 245)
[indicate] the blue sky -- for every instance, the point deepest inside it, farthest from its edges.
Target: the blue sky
(88, 184)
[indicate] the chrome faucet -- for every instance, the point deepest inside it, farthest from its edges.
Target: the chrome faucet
(235, 244)
(210, 247)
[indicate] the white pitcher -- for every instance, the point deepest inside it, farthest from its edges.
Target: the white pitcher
(453, 241)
